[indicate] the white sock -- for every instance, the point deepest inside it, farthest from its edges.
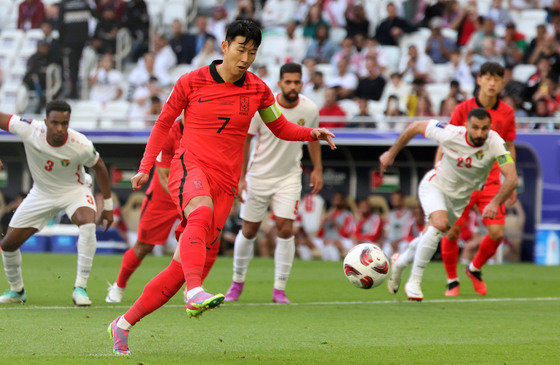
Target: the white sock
(304, 252)
(194, 291)
(87, 244)
(283, 260)
(427, 246)
(472, 267)
(388, 250)
(243, 252)
(12, 267)
(449, 281)
(122, 323)
(407, 256)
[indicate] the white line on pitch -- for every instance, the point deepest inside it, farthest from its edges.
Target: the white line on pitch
(474, 300)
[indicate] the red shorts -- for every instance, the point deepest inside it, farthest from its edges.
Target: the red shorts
(186, 181)
(481, 198)
(157, 216)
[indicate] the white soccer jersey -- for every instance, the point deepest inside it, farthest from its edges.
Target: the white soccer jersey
(464, 167)
(272, 157)
(397, 224)
(55, 170)
(311, 211)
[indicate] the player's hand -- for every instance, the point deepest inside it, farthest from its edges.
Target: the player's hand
(107, 217)
(240, 189)
(316, 181)
(324, 134)
(385, 160)
(138, 180)
(512, 199)
(490, 210)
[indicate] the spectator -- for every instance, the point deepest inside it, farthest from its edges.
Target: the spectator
(277, 13)
(262, 72)
(105, 81)
(456, 92)
(415, 66)
(107, 29)
(416, 225)
(371, 87)
(460, 71)
(143, 71)
(447, 106)
(438, 47)
(515, 105)
(512, 87)
(398, 88)
(372, 49)
(392, 28)
(294, 46)
(450, 13)
(54, 44)
(476, 44)
(356, 21)
(465, 24)
(315, 88)
(541, 111)
(164, 59)
(309, 67)
(117, 5)
(137, 20)
(334, 12)
(489, 54)
(140, 108)
(515, 45)
(201, 23)
(35, 77)
(344, 81)
(395, 229)
(348, 51)
(498, 14)
(537, 79)
(74, 18)
(207, 55)
(548, 91)
(549, 50)
(392, 108)
(218, 23)
(321, 48)
(424, 107)
(155, 109)
(312, 21)
(369, 227)
(363, 113)
(536, 45)
(246, 10)
(51, 14)
(336, 228)
(433, 11)
(418, 90)
(332, 109)
(181, 43)
(31, 14)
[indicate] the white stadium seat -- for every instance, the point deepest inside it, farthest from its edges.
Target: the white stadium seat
(522, 73)
(437, 93)
(32, 37)
(337, 34)
(350, 107)
(85, 115)
(174, 9)
(116, 110)
(392, 56)
(10, 39)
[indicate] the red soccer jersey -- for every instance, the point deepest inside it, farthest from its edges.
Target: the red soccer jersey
(503, 122)
(217, 117)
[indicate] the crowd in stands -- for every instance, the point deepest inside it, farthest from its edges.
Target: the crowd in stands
(362, 58)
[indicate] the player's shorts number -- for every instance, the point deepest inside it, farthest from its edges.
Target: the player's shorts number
(89, 199)
(49, 165)
(223, 125)
(467, 161)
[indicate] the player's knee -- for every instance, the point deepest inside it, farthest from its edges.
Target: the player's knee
(285, 232)
(9, 245)
(142, 249)
(496, 236)
(249, 231)
(441, 224)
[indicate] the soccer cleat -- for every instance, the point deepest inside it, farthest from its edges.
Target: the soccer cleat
(80, 297)
(11, 296)
(234, 292)
(413, 291)
(115, 294)
(452, 289)
(394, 281)
(120, 338)
(279, 296)
(476, 278)
(201, 302)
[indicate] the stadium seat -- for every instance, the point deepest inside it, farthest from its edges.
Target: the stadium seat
(327, 69)
(116, 111)
(174, 9)
(442, 72)
(179, 71)
(14, 74)
(337, 34)
(375, 108)
(419, 39)
(449, 33)
(392, 56)
(32, 37)
(522, 73)
(10, 40)
(85, 115)
(268, 50)
(437, 92)
(536, 16)
(6, 59)
(350, 107)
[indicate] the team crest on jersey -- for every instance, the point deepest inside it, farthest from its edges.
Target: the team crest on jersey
(301, 121)
(65, 162)
(479, 155)
(244, 104)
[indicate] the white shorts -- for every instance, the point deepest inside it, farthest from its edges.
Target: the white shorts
(38, 208)
(282, 195)
(432, 199)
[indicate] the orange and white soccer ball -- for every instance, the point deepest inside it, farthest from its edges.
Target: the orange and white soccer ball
(366, 266)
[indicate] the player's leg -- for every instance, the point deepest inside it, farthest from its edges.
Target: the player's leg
(84, 218)
(404, 260)
(283, 258)
(11, 258)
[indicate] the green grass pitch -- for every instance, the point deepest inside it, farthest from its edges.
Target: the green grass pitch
(332, 322)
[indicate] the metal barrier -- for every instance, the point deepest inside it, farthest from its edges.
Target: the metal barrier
(124, 46)
(54, 81)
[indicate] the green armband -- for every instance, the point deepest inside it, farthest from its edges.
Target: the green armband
(270, 114)
(504, 159)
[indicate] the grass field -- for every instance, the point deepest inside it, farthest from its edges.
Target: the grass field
(332, 322)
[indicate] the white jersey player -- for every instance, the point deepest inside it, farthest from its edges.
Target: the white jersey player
(56, 156)
(274, 178)
(469, 154)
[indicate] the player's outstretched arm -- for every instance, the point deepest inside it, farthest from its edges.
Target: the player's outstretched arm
(507, 168)
(388, 157)
(102, 177)
(4, 120)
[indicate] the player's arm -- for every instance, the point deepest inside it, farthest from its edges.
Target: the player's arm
(4, 121)
(314, 148)
(102, 177)
(388, 157)
(507, 168)
(283, 129)
(242, 182)
(163, 175)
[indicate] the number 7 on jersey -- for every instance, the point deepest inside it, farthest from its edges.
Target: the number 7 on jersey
(223, 125)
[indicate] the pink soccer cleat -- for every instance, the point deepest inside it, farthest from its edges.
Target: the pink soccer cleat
(234, 292)
(120, 336)
(279, 296)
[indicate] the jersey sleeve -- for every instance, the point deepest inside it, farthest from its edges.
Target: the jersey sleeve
(439, 131)
(499, 151)
(458, 116)
(90, 155)
(21, 126)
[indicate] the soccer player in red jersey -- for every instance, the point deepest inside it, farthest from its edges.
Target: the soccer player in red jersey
(491, 82)
(157, 216)
(219, 102)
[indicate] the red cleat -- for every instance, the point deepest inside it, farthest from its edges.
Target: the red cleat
(476, 278)
(452, 289)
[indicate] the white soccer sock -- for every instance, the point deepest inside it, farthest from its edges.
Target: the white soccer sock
(427, 246)
(407, 256)
(243, 252)
(194, 291)
(304, 253)
(123, 323)
(12, 267)
(472, 267)
(283, 260)
(87, 244)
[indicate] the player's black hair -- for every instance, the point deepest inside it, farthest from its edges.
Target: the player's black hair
(492, 69)
(479, 113)
(290, 68)
(59, 106)
(244, 28)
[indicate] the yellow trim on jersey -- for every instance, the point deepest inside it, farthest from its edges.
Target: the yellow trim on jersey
(270, 114)
(504, 159)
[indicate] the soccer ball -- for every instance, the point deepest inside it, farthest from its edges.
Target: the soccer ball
(366, 266)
